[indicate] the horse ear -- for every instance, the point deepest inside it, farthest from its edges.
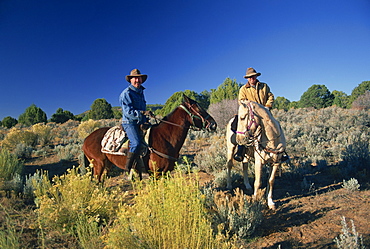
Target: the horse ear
(185, 98)
(243, 102)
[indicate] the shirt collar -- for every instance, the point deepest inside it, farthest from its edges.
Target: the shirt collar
(139, 90)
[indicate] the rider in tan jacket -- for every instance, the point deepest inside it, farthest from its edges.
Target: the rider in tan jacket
(255, 91)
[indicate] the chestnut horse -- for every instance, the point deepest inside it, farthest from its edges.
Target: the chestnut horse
(165, 140)
(264, 140)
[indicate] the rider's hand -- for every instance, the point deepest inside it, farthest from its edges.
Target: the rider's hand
(147, 113)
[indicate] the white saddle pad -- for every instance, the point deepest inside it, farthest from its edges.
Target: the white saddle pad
(115, 141)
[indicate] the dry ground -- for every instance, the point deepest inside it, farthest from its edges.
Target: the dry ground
(303, 219)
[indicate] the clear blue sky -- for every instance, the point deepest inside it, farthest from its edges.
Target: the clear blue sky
(67, 53)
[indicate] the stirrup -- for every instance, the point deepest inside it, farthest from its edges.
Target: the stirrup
(238, 158)
(239, 153)
(285, 158)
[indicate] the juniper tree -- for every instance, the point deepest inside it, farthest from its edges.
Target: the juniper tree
(32, 115)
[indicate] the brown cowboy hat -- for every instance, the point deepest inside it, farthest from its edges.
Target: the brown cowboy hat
(251, 72)
(136, 73)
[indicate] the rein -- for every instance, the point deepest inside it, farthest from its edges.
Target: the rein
(162, 154)
(255, 137)
(205, 122)
(252, 122)
(205, 125)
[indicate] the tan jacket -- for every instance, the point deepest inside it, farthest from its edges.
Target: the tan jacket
(260, 94)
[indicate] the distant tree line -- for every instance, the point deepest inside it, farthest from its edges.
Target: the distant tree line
(317, 96)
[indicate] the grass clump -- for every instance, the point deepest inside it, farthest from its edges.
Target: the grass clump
(67, 152)
(237, 215)
(168, 213)
(43, 133)
(70, 200)
(349, 239)
(9, 236)
(10, 165)
(221, 178)
(18, 136)
(86, 127)
(352, 185)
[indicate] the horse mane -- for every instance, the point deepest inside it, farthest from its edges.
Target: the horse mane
(171, 113)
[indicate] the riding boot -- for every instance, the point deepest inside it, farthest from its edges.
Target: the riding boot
(130, 158)
(240, 153)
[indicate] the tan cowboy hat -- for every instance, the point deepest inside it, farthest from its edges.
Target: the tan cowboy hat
(136, 73)
(251, 72)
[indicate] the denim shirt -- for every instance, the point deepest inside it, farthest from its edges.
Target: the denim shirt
(132, 101)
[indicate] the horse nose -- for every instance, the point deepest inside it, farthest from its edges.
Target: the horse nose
(240, 139)
(213, 126)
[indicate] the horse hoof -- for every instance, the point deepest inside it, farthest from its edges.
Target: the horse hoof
(271, 205)
(249, 191)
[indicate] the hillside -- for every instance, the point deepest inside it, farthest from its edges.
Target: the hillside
(328, 147)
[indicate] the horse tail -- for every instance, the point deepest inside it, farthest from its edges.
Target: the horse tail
(86, 161)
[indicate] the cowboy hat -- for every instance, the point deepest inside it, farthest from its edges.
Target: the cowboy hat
(251, 72)
(136, 73)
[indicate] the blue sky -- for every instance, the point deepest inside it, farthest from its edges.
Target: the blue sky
(65, 54)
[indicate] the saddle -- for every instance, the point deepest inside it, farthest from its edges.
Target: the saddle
(116, 142)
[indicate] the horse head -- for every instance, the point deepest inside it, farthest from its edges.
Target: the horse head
(248, 123)
(198, 117)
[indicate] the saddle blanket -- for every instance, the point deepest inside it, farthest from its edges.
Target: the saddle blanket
(115, 141)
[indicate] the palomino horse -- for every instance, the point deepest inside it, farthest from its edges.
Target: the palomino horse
(264, 140)
(165, 140)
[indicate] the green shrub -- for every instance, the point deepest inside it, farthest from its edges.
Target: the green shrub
(212, 158)
(10, 165)
(9, 122)
(221, 178)
(351, 185)
(43, 133)
(85, 128)
(23, 151)
(237, 215)
(32, 115)
(167, 213)
(37, 184)
(17, 136)
(67, 152)
(88, 232)
(9, 235)
(349, 239)
(62, 202)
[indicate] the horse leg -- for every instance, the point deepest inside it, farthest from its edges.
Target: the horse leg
(230, 152)
(228, 174)
(96, 166)
(270, 186)
(98, 169)
(257, 173)
(245, 174)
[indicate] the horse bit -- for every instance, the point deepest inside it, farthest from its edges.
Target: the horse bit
(205, 125)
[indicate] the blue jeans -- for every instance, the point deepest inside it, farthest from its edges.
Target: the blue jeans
(134, 135)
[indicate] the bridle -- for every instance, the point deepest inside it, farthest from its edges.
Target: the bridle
(252, 121)
(205, 126)
(205, 123)
(254, 137)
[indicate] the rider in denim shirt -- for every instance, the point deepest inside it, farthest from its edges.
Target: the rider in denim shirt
(133, 105)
